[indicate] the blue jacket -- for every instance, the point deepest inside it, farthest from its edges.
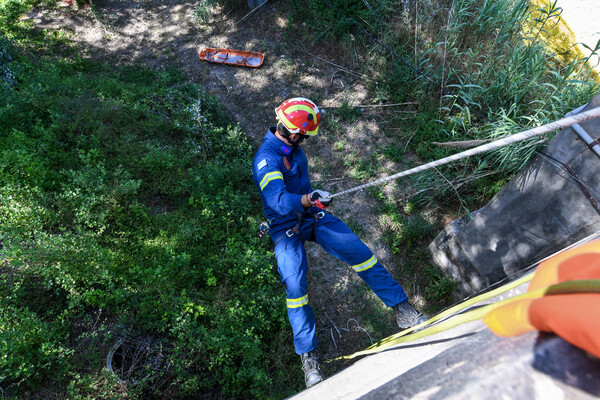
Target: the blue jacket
(281, 175)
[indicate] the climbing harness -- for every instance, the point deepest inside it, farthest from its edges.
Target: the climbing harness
(517, 137)
(316, 217)
(290, 232)
(296, 229)
(265, 227)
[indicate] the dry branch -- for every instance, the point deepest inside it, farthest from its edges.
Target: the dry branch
(465, 144)
(338, 66)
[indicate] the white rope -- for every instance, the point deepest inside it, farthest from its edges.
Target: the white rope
(517, 137)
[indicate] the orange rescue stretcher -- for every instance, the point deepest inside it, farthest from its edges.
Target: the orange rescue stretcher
(240, 58)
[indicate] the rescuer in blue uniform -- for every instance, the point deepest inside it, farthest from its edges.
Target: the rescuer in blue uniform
(297, 213)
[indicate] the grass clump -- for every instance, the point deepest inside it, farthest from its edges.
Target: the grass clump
(478, 69)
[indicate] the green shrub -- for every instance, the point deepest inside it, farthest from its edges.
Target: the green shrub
(11, 11)
(127, 191)
(439, 286)
(31, 348)
(414, 232)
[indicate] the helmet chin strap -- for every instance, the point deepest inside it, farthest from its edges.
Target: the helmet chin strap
(288, 136)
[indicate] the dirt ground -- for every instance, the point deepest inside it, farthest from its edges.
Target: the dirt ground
(165, 33)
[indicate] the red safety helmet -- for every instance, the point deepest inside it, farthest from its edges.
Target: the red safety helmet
(299, 115)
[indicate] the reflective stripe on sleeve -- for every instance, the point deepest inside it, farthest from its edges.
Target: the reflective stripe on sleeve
(295, 303)
(269, 177)
(366, 265)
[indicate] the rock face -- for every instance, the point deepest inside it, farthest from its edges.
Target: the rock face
(549, 205)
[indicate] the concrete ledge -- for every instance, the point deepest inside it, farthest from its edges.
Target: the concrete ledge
(377, 370)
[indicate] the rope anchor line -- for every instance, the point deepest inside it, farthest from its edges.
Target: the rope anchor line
(517, 137)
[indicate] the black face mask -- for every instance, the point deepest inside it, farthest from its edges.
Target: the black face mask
(287, 135)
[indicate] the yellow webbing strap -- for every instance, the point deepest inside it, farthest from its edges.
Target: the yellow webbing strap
(581, 286)
(465, 304)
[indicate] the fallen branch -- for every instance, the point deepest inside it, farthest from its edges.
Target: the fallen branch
(373, 106)
(338, 66)
(226, 87)
(461, 144)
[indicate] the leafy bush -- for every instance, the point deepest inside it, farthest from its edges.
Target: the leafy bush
(11, 10)
(127, 191)
(29, 347)
(439, 286)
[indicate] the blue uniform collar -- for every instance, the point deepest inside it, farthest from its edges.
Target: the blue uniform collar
(278, 144)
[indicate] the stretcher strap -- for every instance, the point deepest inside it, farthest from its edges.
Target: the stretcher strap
(408, 335)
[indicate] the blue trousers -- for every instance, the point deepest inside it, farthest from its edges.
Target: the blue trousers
(339, 241)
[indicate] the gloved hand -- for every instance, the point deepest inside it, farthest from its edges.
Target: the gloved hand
(320, 199)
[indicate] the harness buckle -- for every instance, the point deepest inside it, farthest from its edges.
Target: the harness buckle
(263, 229)
(320, 214)
(289, 233)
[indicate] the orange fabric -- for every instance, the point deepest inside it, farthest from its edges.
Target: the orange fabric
(580, 267)
(582, 262)
(573, 317)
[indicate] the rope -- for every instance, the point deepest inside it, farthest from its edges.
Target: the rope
(250, 13)
(453, 318)
(580, 286)
(517, 137)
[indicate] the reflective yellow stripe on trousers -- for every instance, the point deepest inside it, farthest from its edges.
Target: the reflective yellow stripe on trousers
(295, 303)
(366, 265)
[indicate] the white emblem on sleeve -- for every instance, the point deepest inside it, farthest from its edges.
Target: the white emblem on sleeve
(262, 164)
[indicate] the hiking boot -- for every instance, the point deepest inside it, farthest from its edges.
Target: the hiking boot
(310, 365)
(407, 316)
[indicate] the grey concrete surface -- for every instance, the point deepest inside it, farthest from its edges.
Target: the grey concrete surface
(532, 366)
(469, 362)
(375, 371)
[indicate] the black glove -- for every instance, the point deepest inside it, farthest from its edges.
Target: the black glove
(320, 199)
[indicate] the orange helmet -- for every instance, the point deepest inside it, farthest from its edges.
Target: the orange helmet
(299, 115)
